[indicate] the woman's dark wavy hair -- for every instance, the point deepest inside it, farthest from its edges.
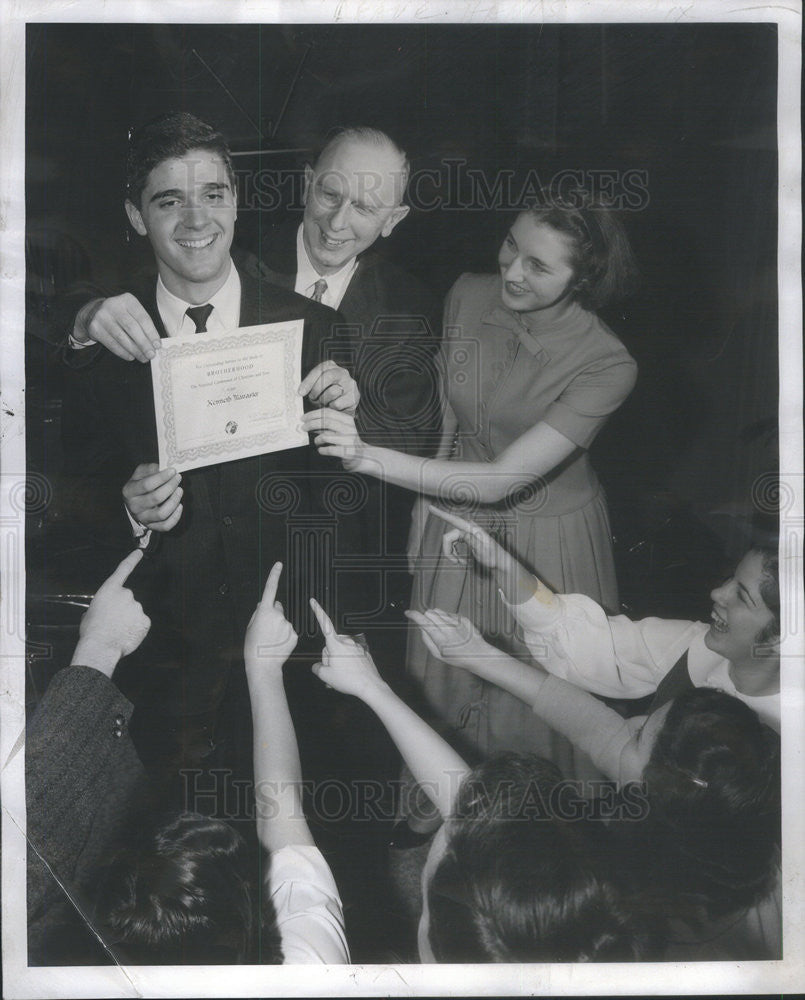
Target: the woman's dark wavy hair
(518, 884)
(770, 592)
(711, 839)
(601, 255)
(170, 136)
(181, 896)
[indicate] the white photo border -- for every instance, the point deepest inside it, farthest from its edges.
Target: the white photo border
(482, 980)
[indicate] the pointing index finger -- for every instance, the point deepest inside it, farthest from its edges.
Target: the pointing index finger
(270, 589)
(454, 519)
(326, 626)
(124, 568)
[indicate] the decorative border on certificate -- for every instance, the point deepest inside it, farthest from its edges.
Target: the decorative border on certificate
(221, 397)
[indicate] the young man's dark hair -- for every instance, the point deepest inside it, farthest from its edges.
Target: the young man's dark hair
(520, 884)
(182, 895)
(170, 136)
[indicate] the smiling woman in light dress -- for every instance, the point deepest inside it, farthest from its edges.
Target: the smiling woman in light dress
(531, 374)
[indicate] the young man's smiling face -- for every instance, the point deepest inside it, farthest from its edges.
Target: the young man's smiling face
(187, 210)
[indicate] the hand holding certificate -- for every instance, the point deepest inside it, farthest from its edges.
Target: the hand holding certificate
(220, 397)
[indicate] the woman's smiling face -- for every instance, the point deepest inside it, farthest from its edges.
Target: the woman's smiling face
(535, 264)
(739, 611)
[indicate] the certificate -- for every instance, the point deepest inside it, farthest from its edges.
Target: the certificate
(219, 397)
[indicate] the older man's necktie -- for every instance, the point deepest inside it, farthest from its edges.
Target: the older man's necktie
(200, 315)
(318, 290)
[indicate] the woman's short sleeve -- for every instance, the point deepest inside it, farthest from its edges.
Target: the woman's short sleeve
(309, 914)
(595, 393)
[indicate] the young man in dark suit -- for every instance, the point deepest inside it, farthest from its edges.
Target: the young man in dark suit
(353, 198)
(211, 533)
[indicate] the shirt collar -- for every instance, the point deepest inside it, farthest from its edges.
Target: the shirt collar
(499, 315)
(307, 275)
(226, 307)
(710, 669)
(537, 330)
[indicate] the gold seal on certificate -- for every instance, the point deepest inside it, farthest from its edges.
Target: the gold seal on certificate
(219, 397)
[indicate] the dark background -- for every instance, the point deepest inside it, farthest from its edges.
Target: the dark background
(694, 107)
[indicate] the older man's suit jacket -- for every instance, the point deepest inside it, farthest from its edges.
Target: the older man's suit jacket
(396, 328)
(204, 578)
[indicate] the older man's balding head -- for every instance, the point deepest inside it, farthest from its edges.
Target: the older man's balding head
(353, 195)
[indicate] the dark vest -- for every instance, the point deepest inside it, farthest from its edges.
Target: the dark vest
(675, 682)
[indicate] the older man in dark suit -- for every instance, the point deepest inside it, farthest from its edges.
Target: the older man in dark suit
(353, 199)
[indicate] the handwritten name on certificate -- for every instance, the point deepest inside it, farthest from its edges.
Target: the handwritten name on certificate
(219, 397)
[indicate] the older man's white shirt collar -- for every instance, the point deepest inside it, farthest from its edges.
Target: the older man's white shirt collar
(225, 313)
(307, 276)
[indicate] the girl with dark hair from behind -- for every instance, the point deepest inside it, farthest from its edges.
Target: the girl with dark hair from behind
(182, 896)
(107, 883)
(104, 882)
(507, 879)
(517, 883)
(707, 856)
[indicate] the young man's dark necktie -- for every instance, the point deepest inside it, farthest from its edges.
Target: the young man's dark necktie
(200, 315)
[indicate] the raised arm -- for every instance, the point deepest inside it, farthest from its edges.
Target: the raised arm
(532, 455)
(118, 323)
(80, 762)
(595, 729)
(454, 639)
(569, 634)
(517, 584)
(570, 424)
(421, 507)
(114, 624)
(348, 668)
(270, 639)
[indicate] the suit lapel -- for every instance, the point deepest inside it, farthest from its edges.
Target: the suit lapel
(286, 281)
(147, 295)
(361, 296)
(278, 255)
(257, 304)
(250, 300)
